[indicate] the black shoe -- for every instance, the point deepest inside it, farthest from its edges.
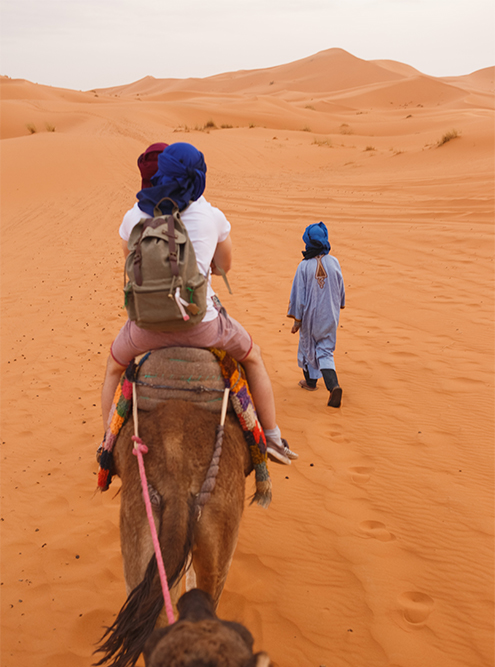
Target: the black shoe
(335, 398)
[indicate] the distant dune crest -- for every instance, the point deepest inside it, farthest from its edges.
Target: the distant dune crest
(326, 72)
(322, 94)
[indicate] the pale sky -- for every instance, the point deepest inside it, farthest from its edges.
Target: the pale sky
(84, 44)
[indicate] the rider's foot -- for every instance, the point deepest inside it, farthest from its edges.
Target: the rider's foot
(279, 451)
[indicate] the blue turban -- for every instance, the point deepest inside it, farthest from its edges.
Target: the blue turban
(181, 176)
(316, 239)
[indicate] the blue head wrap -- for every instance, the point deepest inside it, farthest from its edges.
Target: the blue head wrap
(181, 176)
(316, 239)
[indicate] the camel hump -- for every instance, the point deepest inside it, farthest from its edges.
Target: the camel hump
(186, 373)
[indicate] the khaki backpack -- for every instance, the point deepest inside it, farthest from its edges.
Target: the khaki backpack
(165, 289)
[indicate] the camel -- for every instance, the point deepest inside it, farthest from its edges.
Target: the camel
(200, 639)
(181, 438)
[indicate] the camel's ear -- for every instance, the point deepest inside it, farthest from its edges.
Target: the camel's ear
(241, 630)
(153, 641)
(260, 659)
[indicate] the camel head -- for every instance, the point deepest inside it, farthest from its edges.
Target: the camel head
(200, 639)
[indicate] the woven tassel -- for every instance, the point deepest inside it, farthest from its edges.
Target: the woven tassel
(263, 495)
(179, 301)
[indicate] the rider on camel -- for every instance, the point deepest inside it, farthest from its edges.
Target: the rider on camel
(181, 176)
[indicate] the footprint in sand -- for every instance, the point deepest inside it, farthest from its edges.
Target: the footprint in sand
(416, 607)
(336, 436)
(376, 529)
(360, 474)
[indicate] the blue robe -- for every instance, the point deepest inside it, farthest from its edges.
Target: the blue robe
(316, 298)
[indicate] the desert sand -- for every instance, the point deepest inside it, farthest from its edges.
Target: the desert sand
(377, 549)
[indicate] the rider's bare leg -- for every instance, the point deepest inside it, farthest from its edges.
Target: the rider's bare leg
(110, 383)
(264, 401)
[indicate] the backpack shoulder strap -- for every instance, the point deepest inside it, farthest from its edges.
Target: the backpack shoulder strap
(157, 211)
(172, 248)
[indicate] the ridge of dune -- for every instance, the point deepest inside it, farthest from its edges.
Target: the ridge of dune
(333, 69)
(483, 79)
(397, 67)
(420, 90)
(334, 73)
(21, 89)
(148, 85)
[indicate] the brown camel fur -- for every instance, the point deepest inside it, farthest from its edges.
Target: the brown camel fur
(200, 639)
(181, 439)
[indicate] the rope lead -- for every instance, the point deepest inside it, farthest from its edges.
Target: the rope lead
(139, 449)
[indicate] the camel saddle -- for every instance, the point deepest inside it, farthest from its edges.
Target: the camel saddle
(196, 375)
(188, 373)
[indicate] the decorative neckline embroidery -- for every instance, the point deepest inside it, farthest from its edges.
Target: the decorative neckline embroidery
(320, 274)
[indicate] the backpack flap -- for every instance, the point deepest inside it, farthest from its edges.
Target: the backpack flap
(165, 291)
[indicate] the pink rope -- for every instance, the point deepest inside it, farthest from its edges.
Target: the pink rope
(140, 449)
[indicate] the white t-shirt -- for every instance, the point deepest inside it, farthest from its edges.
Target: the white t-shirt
(206, 225)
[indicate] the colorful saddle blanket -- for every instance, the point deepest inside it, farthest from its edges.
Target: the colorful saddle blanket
(206, 388)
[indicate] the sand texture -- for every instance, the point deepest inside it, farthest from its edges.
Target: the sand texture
(377, 548)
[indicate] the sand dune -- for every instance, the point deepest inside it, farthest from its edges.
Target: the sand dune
(329, 70)
(483, 79)
(378, 547)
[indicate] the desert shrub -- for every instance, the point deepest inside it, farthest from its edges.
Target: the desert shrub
(345, 129)
(369, 148)
(226, 126)
(210, 125)
(310, 106)
(306, 129)
(322, 142)
(31, 128)
(448, 136)
(251, 125)
(50, 127)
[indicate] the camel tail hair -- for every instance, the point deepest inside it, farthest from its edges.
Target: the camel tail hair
(124, 640)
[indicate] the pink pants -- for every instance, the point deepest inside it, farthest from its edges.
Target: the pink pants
(223, 332)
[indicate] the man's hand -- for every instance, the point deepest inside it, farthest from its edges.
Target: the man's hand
(296, 326)
(125, 248)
